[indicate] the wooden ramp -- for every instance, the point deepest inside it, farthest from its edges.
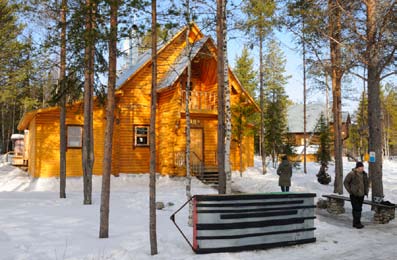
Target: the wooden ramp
(230, 223)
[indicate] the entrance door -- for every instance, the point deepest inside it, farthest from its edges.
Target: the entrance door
(196, 145)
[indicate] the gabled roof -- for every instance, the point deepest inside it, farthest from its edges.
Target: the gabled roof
(126, 74)
(313, 114)
(181, 64)
(295, 117)
(145, 58)
(169, 79)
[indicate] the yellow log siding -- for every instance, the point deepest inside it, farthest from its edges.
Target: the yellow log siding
(247, 147)
(31, 147)
(133, 109)
(45, 151)
(168, 129)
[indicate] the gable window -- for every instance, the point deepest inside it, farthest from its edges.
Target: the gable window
(141, 135)
(74, 136)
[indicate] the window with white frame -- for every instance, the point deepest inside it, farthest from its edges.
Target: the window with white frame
(141, 135)
(74, 136)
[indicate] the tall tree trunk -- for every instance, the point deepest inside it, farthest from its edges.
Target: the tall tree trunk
(187, 113)
(62, 117)
(228, 112)
(304, 98)
(336, 75)
(240, 149)
(107, 156)
(88, 153)
(374, 104)
(262, 104)
(152, 136)
(221, 97)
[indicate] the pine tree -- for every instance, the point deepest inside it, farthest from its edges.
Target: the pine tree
(246, 73)
(324, 150)
(259, 22)
(242, 117)
(16, 67)
(152, 137)
(362, 125)
(107, 155)
(389, 108)
(289, 143)
(247, 76)
(275, 99)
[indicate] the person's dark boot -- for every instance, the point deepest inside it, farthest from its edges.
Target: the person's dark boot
(358, 226)
(357, 220)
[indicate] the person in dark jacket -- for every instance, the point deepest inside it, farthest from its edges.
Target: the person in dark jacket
(356, 183)
(284, 170)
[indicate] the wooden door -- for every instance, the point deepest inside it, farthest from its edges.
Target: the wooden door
(197, 144)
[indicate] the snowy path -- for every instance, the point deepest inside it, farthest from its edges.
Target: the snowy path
(36, 225)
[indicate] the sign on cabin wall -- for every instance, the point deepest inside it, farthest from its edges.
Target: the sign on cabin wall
(195, 123)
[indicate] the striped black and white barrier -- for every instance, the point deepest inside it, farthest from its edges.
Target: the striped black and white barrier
(229, 223)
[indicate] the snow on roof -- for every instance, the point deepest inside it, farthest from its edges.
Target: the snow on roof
(17, 136)
(142, 59)
(295, 117)
(313, 113)
(310, 149)
(173, 74)
(181, 63)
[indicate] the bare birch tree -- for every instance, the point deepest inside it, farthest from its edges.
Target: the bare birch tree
(187, 112)
(228, 112)
(220, 31)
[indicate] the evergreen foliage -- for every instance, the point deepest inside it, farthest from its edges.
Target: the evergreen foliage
(289, 143)
(247, 76)
(389, 107)
(275, 122)
(17, 85)
(243, 117)
(246, 73)
(324, 150)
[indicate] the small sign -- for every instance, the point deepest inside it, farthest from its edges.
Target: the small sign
(371, 156)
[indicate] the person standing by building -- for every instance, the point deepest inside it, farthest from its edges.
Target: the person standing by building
(356, 183)
(284, 171)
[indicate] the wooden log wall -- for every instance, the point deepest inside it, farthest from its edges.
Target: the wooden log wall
(45, 149)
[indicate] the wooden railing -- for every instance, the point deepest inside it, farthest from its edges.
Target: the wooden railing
(200, 101)
(196, 164)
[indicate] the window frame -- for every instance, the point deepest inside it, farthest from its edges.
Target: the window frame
(136, 136)
(68, 146)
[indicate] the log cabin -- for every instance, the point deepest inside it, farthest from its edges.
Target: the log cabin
(132, 117)
(313, 114)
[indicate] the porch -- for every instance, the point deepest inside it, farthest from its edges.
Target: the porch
(204, 170)
(200, 102)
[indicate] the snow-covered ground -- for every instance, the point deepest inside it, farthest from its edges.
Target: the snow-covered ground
(36, 225)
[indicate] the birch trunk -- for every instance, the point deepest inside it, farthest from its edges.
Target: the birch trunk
(187, 111)
(221, 100)
(228, 113)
